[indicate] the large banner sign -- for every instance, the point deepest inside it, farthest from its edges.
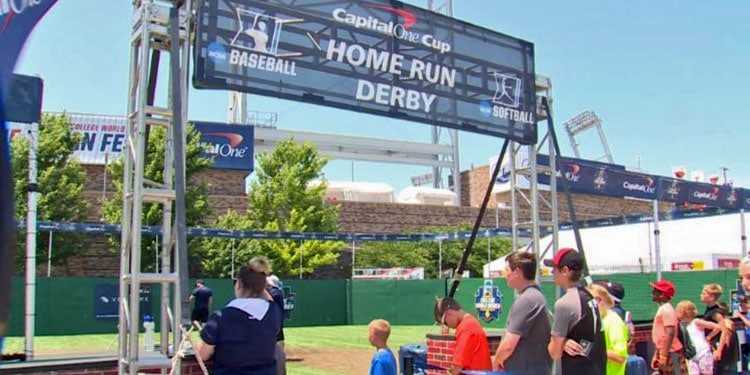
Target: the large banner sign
(103, 140)
(624, 183)
(380, 57)
(744, 196)
(613, 180)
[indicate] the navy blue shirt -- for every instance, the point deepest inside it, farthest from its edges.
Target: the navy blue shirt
(243, 344)
(278, 298)
(202, 295)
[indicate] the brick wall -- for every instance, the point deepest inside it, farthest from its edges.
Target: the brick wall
(440, 350)
(399, 218)
(227, 193)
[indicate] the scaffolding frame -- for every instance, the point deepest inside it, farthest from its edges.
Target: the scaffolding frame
(158, 27)
(531, 199)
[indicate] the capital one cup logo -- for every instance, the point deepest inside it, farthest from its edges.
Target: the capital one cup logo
(600, 181)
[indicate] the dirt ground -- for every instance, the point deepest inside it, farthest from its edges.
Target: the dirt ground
(342, 361)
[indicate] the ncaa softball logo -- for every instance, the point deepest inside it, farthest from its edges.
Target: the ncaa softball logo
(485, 107)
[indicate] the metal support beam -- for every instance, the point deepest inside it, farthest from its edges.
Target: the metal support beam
(160, 28)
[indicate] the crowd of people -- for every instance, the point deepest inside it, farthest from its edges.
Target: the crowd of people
(587, 332)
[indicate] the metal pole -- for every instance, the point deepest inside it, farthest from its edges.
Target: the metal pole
(489, 251)
(31, 242)
(657, 252)
(232, 275)
(743, 237)
(354, 254)
(300, 262)
(104, 184)
(440, 259)
(650, 250)
(49, 253)
(469, 245)
(156, 254)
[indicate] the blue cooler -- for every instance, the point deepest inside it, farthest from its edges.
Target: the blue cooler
(412, 359)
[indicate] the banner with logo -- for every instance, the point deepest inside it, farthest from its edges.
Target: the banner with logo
(103, 140)
(230, 145)
(379, 57)
(107, 297)
(744, 196)
(672, 190)
(711, 195)
(622, 183)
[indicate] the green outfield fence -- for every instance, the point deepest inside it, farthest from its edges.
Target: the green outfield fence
(68, 305)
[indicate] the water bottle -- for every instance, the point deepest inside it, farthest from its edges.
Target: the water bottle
(148, 339)
(629, 324)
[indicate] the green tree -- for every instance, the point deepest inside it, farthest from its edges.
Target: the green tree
(281, 198)
(61, 180)
(196, 192)
(428, 254)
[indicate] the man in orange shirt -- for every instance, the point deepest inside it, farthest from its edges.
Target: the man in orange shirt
(472, 351)
(668, 358)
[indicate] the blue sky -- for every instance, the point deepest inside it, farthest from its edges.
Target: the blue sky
(668, 79)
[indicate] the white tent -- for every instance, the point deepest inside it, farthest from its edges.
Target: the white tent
(427, 195)
(357, 191)
(707, 243)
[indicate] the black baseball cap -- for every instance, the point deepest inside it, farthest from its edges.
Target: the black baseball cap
(615, 289)
(566, 257)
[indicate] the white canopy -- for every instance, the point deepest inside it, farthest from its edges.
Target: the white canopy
(703, 242)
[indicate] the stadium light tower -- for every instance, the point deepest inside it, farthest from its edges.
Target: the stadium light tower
(582, 122)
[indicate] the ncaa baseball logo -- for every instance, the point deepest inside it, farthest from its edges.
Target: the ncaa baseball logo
(217, 53)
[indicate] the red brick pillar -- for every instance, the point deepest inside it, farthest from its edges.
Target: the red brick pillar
(440, 349)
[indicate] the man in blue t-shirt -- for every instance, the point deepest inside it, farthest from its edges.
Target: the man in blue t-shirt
(383, 362)
(203, 297)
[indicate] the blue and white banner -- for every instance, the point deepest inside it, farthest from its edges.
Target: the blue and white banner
(230, 145)
(103, 140)
(91, 228)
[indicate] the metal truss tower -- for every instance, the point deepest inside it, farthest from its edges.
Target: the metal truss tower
(442, 135)
(159, 27)
(542, 209)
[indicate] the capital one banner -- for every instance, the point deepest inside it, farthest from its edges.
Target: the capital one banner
(380, 57)
(103, 140)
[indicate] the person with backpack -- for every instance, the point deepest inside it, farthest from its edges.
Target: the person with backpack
(697, 350)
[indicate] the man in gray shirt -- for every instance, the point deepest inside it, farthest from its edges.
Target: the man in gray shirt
(523, 350)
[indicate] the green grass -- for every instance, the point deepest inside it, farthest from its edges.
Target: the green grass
(343, 337)
(353, 337)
